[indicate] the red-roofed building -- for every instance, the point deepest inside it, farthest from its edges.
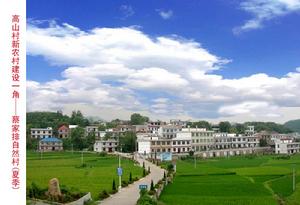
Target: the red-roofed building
(63, 131)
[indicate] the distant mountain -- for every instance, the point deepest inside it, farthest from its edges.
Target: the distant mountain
(293, 125)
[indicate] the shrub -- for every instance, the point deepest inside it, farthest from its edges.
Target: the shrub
(114, 185)
(170, 167)
(148, 169)
(103, 194)
(152, 186)
(124, 183)
(144, 172)
(103, 154)
(130, 177)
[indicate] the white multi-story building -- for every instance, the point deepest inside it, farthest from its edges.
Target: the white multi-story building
(41, 133)
(108, 145)
(182, 143)
(286, 146)
(169, 131)
(202, 139)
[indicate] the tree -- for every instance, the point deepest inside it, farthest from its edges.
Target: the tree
(114, 185)
(138, 119)
(31, 143)
(200, 124)
(152, 186)
(263, 143)
(90, 141)
(128, 141)
(77, 139)
(78, 119)
(224, 126)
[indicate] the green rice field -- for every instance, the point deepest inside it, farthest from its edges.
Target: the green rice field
(239, 180)
(97, 174)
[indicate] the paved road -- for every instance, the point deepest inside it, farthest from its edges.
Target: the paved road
(129, 195)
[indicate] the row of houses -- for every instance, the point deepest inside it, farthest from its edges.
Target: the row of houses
(175, 137)
(208, 143)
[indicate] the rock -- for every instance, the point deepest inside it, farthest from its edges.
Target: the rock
(53, 188)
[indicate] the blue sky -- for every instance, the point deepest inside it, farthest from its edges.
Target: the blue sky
(269, 44)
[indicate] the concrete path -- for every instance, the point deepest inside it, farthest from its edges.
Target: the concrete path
(129, 195)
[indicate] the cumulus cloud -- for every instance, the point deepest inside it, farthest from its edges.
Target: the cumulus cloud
(123, 70)
(265, 10)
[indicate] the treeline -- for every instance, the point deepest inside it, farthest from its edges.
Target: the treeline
(240, 128)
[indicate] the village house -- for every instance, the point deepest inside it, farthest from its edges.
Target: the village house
(63, 132)
(50, 144)
(41, 133)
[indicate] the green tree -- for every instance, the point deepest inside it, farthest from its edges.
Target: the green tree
(114, 185)
(138, 119)
(152, 186)
(224, 126)
(263, 143)
(78, 119)
(200, 124)
(77, 138)
(90, 141)
(128, 141)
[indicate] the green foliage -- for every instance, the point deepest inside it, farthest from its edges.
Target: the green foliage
(145, 199)
(263, 143)
(77, 138)
(269, 126)
(31, 143)
(293, 125)
(114, 185)
(224, 126)
(152, 186)
(138, 119)
(128, 141)
(103, 194)
(78, 119)
(200, 124)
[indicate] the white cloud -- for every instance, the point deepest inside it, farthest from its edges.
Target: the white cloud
(165, 14)
(106, 70)
(156, 78)
(265, 10)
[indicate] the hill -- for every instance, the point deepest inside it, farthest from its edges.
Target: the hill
(293, 125)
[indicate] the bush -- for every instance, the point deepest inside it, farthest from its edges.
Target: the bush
(124, 183)
(152, 186)
(130, 177)
(103, 194)
(114, 185)
(146, 200)
(103, 154)
(151, 192)
(170, 167)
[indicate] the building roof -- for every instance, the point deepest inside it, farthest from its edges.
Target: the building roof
(63, 127)
(51, 139)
